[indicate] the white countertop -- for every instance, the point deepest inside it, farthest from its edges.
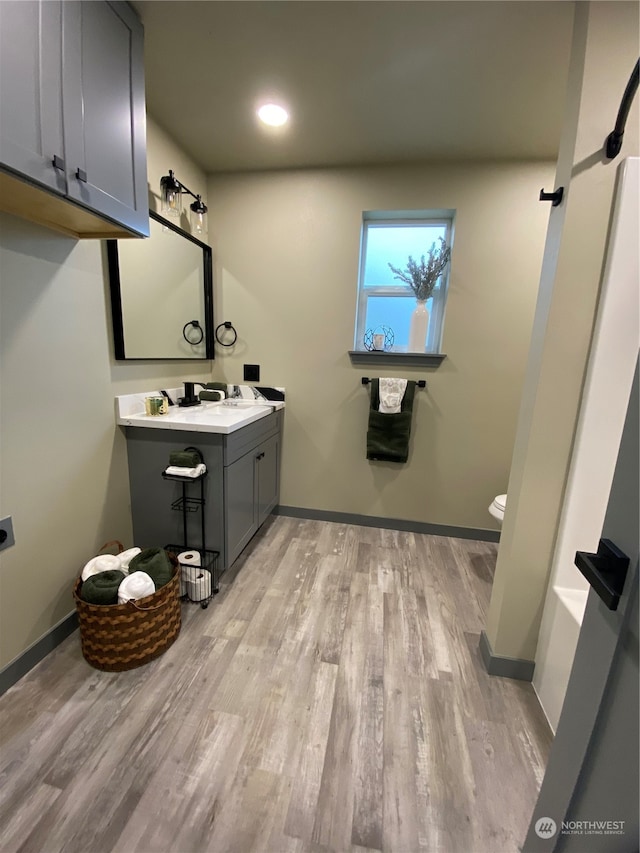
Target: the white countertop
(224, 417)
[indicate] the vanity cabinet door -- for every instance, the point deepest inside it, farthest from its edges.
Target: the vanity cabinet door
(104, 111)
(31, 91)
(267, 472)
(73, 126)
(240, 504)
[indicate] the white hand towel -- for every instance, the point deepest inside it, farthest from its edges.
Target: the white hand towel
(125, 558)
(136, 585)
(391, 394)
(178, 471)
(101, 563)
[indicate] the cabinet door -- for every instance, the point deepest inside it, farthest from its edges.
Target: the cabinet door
(240, 504)
(31, 91)
(267, 469)
(104, 111)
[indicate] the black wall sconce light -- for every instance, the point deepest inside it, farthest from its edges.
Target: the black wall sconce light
(171, 191)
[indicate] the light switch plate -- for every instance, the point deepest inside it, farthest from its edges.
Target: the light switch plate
(7, 538)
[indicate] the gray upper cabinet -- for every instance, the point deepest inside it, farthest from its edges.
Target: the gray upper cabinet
(73, 122)
(31, 91)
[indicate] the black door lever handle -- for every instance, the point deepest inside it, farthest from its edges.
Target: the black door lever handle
(606, 571)
(555, 197)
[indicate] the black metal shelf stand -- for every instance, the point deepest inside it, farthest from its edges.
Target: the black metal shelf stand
(198, 583)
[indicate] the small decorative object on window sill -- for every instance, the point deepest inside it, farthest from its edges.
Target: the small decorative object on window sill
(422, 278)
(379, 339)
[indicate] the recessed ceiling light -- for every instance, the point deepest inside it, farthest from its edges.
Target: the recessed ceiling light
(273, 115)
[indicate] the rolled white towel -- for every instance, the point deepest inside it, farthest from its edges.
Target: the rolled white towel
(101, 563)
(126, 556)
(136, 585)
(178, 471)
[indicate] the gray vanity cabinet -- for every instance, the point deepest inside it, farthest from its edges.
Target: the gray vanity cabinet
(74, 123)
(241, 487)
(251, 492)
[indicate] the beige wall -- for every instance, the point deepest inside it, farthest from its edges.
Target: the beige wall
(63, 463)
(286, 249)
(604, 51)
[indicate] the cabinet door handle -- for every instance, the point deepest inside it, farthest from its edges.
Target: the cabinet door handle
(58, 163)
(260, 456)
(81, 175)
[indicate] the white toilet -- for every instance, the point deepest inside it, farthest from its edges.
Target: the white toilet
(497, 507)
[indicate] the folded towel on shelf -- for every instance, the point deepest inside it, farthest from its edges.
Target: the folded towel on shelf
(102, 588)
(136, 585)
(101, 563)
(179, 471)
(156, 563)
(125, 557)
(388, 434)
(185, 458)
(391, 394)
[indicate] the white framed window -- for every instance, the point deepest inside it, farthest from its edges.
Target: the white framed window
(384, 302)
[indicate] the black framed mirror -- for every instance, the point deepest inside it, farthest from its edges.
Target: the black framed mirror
(161, 295)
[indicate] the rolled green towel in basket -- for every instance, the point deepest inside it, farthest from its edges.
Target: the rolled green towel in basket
(102, 588)
(156, 563)
(185, 458)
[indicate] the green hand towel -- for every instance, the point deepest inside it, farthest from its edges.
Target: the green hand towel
(156, 563)
(184, 458)
(216, 386)
(388, 434)
(102, 588)
(210, 395)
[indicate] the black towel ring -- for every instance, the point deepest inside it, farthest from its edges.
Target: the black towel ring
(226, 325)
(196, 325)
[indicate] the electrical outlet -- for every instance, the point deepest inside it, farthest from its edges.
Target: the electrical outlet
(7, 538)
(252, 373)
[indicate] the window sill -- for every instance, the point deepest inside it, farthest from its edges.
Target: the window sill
(408, 359)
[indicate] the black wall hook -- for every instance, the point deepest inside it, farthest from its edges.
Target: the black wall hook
(555, 197)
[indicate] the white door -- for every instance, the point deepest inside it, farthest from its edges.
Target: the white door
(590, 793)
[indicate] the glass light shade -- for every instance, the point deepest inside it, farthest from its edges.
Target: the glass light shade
(197, 215)
(171, 192)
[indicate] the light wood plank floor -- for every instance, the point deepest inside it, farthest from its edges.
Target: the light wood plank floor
(331, 698)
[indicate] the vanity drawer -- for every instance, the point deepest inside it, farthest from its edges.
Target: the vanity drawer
(238, 443)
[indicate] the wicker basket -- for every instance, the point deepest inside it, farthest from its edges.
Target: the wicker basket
(117, 637)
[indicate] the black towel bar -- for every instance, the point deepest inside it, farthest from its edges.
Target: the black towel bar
(420, 383)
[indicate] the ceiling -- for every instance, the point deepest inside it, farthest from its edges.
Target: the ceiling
(366, 81)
